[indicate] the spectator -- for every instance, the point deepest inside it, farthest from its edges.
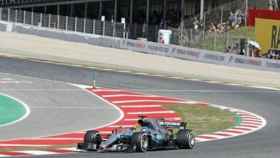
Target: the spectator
(231, 19)
(212, 28)
(196, 23)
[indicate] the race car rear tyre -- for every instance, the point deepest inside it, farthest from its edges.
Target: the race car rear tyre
(140, 142)
(93, 137)
(185, 139)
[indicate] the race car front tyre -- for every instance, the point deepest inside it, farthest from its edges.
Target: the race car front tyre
(140, 142)
(92, 140)
(185, 139)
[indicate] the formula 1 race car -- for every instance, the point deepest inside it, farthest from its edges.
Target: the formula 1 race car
(152, 134)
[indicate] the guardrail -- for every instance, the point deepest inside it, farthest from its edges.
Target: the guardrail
(147, 47)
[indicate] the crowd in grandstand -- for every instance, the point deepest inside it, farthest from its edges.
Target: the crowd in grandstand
(235, 20)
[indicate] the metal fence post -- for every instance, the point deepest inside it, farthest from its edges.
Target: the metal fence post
(76, 20)
(16, 16)
(85, 20)
(215, 40)
(124, 31)
(66, 23)
(0, 13)
(58, 22)
(222, 14)
(103, 32)
(93, 27)
(49, 20)
(24, 14)
(9, 12)
(204, 26)
(41, 19)
(32, 18)
(191, 36)
(114, 29)
(246, 11)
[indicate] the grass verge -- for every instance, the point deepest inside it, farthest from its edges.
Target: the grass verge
(204, 119)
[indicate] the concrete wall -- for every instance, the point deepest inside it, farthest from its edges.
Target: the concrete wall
(151, 48)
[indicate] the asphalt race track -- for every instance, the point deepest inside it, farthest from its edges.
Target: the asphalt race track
(55, 107)
(46, 86)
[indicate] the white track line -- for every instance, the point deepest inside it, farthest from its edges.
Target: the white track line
(195, 102)
(124, 71)
(72, 149)
(211, 135)
(227, 133)
(105, 132)
(141, 73)
(151, 112)
(251, 122)
(166, 118)
(234, 130)
(151, 100)
(38, 152)
(25, 145)
(123, 95)
(140, 106)
(105, 90)
(201, 139)
(57, 138)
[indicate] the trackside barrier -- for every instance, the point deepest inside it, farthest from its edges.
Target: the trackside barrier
(72, 36)
(142, 46)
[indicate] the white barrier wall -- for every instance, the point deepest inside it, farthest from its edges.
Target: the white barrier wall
(149, 47)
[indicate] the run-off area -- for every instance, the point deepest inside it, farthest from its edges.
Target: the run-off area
(11, 110)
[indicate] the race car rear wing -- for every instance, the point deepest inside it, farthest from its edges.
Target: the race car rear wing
(174, 124)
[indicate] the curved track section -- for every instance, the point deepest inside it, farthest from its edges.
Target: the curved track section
(55, 107)
(131, 105)
(263, 143)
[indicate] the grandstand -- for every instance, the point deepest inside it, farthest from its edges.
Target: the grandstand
(143, 18)
(135, 11)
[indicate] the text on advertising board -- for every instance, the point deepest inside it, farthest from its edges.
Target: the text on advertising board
(268, 34)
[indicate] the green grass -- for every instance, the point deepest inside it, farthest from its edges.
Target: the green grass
(204, 119)
(222, 40)
(10, 110)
